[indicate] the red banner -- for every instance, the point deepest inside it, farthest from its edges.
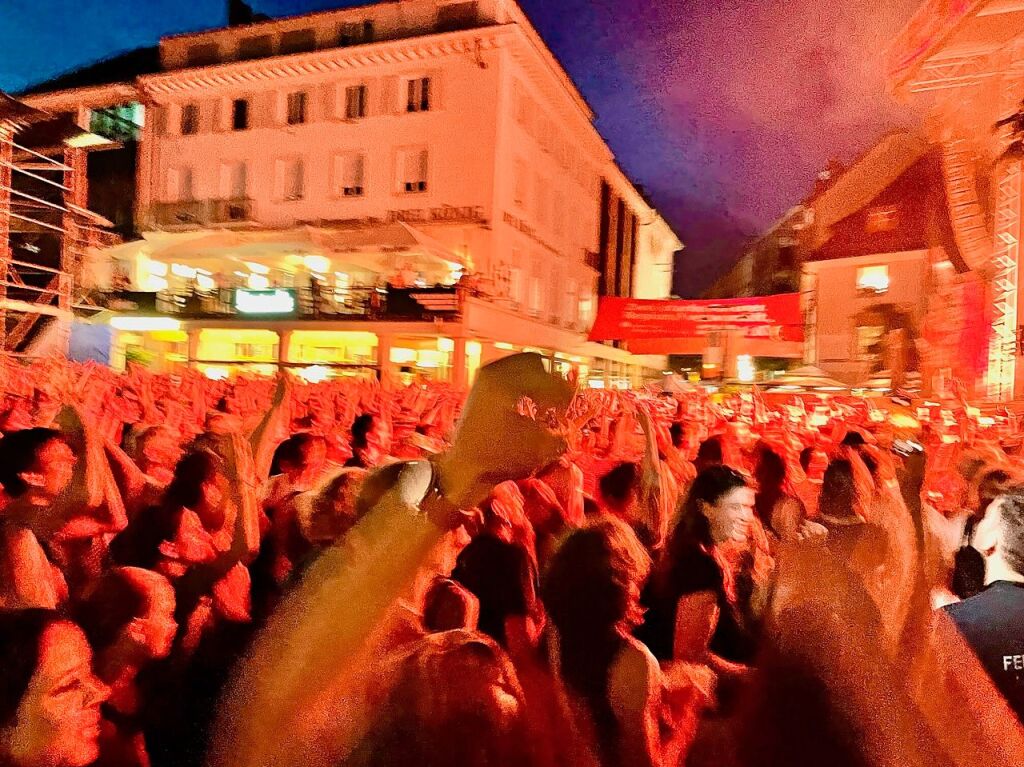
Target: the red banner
(632, 319)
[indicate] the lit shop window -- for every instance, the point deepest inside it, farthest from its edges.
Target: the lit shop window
(745, 370)
(873, 279)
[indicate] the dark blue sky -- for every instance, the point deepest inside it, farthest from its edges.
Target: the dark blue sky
(724, 109)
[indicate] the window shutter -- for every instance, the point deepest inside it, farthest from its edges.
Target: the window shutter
(173, 184)
(391, 101)
(280, 169)
(226, 174)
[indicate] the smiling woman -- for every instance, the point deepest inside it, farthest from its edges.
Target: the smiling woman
(49, 698)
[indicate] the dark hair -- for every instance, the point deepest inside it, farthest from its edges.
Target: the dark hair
(18, 454)
(853, 439)
(838, 490)
(693, 528)
(501, 575)
(992, 484)
(292, 451)
(191, 472)
(771, 477)
(676, 432)
(109, 607)
(586, 591)
(361, 428)
(806, 456)
(619, 482)
(20, 633)
(446, 606)
(709, 453)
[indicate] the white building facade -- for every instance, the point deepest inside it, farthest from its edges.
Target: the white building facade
(422, 153)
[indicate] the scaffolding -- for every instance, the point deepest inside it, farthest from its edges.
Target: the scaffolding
(45, 229)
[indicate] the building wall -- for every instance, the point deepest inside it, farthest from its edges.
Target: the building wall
(838, 302)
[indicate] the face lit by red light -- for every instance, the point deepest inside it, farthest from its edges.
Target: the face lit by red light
(52, 470)
(58, 720)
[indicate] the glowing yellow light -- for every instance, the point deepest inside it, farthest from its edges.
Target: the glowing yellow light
(156, 284)
(745, 369)
(504, 346)
(265, 302)
(874, 278)
(473, 348)
(401, 356)
(142, 324)
(315, 374)
(428, 358)
(180, 270)
(157, 268)
(216, 374)
(205, 282)
(258, 282)
(445, 345)
(257, 268)
(318, 264)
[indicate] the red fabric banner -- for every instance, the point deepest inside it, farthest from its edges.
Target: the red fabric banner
(632, 319)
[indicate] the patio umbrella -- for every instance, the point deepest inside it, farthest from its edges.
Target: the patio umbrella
(807, 377)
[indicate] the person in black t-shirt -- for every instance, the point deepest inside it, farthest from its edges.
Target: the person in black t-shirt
(992, 622)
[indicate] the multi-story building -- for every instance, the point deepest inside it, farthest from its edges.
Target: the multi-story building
(409, 186)
(961, 64)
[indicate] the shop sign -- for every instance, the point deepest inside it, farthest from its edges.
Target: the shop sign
(265, 301)
(446, 214)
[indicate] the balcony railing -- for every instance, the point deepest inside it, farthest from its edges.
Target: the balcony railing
(387, 304)
(190, 213)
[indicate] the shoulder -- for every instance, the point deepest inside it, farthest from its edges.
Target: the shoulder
(696, 570)
(634, 677)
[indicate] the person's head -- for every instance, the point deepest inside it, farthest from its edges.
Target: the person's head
(199, 481)
(36, 461)
(992, 484)
(128, 616)
(591, 588)
(501, 575)
(718, 509)
(299, 455)
(1000, 533)
(769, 470)
(618, 487)
(447, 606)
(455, 701)
(853, 439)
(334, 507)
(839, 491)
(157, 447)
(709, 454)
(678, 434)
(361, 428)
(49, 698)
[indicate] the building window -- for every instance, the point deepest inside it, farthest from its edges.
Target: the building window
(240, 114)
(356, 33)
(290, 180)
(882, 220)
(873, 279)
(298, 41)
(202, 55)
(515, 281)
(355, 102)
(418, 95)
(349, 174)
(412, 168)
(536, 294)
(189, 119)
(572, 302)
(297, 108)
(234, 181)
(456, 16)
(257, 47)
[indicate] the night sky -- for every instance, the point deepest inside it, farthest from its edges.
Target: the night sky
(724, 109)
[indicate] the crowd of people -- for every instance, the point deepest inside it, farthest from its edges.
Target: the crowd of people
(269, 572)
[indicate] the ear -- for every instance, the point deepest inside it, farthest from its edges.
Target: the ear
(32, 478)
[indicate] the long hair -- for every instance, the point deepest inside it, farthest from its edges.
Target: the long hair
(587, 593)
(693, 528)
(20, 634)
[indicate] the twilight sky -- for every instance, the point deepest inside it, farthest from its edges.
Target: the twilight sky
(724, 109)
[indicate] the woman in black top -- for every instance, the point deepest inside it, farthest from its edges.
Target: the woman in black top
(694, 613)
